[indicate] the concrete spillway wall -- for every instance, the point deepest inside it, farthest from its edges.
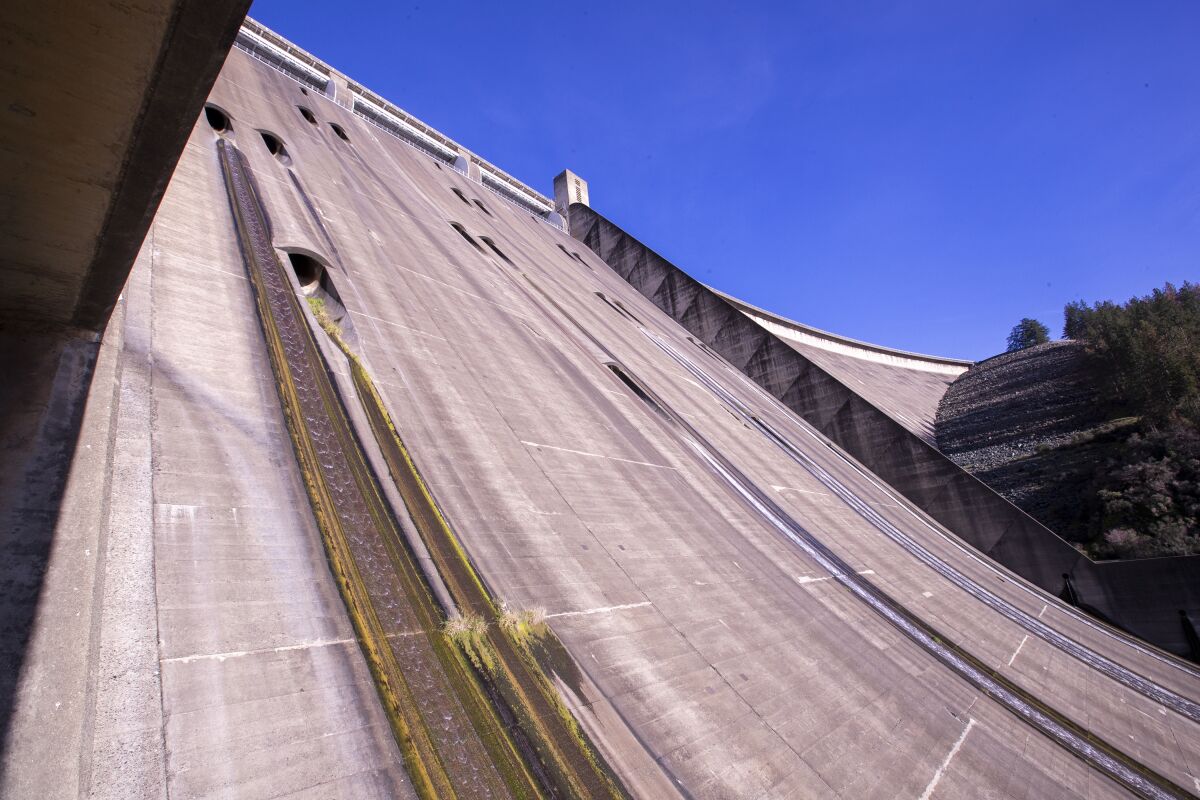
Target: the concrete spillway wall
(905, 386)
(844, 345)
(1154, 599)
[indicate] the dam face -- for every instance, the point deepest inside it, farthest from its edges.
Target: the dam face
(361, 381)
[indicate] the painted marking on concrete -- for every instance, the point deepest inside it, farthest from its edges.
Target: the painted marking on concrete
(927, 594)
(937, 776)
(1014, 655)
(802, 491)
(240, 653)
(601, 610)
(597, 455)
(1043, 611)
(452, 287)
(803, 579)
(544, 513)
(195, 263)
(398, 325)
(175, 512)
(826, 494)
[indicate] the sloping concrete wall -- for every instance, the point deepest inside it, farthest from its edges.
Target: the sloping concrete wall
(199, 646)
(905, 386)
(1145, 598)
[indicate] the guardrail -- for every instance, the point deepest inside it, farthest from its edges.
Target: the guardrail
(268, 47)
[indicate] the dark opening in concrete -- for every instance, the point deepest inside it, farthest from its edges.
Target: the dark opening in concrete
(616, 306)
(705, 349)
(570, 254)
(463, 232)
(308, 115)
(626, 311)
(637, 389)
(303, 90)
(461, 196)
(316, 279)
(218, 120)
(482, 207)
(496, 249)
(275, 145)
(338, 130)
(308, 271)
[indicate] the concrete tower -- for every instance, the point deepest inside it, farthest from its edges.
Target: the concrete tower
(569, 188)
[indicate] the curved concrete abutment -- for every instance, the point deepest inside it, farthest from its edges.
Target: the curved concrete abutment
(1153, 599)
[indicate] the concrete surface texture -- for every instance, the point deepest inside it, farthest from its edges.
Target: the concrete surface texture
(1156, 599)
(98, 95)
(99, 104)
(750, 612)
(905, 386)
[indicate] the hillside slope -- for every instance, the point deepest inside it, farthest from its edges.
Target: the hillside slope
(1029, 424)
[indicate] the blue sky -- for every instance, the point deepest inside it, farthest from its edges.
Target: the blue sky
(917, 174)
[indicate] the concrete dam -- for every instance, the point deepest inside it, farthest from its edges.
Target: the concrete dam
(374, 472)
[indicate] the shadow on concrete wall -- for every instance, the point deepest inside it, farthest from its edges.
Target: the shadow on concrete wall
(42, 400)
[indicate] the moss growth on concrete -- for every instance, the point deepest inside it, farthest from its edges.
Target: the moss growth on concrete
(321, 313)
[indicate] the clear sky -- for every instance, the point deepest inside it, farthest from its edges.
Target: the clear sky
(917, 174)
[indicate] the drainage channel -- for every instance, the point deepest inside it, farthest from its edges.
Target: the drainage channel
(1106, 758)
(1123, 675)
(562, 751)
(451, 737)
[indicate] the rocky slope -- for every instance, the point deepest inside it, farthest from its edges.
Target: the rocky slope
(1029, 425)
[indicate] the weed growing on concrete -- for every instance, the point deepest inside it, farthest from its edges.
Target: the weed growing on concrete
(317, 306)
(523, 624)
(469, 632)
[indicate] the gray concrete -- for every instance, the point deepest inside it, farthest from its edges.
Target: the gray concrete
(905, 386)
(713, 656)
(736, 668)
(221, 662)
(99, 100)
(1143, 597)
(98, 96)
(569, 188)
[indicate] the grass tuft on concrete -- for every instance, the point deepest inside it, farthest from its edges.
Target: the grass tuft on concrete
(521, 625)
(469, 633)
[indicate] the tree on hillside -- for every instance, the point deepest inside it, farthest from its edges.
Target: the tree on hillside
(1148, 351)
(1075, 319)
(1027, 333)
